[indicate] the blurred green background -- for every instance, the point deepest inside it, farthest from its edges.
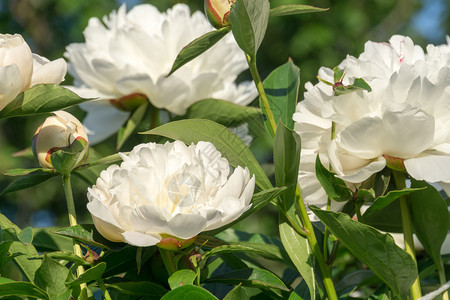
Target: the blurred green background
(311, 40)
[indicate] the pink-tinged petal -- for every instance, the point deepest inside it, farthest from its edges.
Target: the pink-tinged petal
(141, 239)
(10, 84)
(431, 168)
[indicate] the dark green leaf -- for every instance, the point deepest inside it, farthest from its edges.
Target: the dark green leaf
(182, 278)
(44, 240)
(25, 289)
(281, 87)
(51, 277)
(429, 214)
(223, 112)
(333, 186)
(146, 289)
(383, 201)
(243, 247)
(294, 9)
(249, 20)
(129, 127)
(227, 143)
(189, 292)
(94, 273)
(86, 233)
(286, 157)
(28, 180)
(386, 219)
(237, 293)
(197, 47)
(4, 249)
(378, 251)
(42, 98)
(259, 200)
(251, 277)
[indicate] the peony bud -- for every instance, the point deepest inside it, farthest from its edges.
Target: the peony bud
(61, 143)
(217, 12)
(129, 102)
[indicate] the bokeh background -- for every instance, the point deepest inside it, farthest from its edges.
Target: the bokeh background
(311, 40)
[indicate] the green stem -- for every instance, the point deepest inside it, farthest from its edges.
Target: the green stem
(442, 278)
(326, 274)
(103, 288)
(262, 94)
(73, 221)
(169, 260)
(399, 179)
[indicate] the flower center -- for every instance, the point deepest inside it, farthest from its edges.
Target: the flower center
(183, 190)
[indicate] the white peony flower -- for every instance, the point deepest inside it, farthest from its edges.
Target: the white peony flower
(20, 69)
(132, 52)
(404, 118)
(166, 191)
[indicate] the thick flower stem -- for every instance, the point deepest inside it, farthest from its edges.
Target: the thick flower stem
(399, 179)
(169, 260)
(73, 221)
(326, 274)
(262, 94)
(104, 290)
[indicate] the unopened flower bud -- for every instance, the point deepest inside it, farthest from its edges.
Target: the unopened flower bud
(129, 102)
(169, 242)
(61, 143)
(217, 12)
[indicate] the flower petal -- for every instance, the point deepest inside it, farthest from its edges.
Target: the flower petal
(432, 168)
(140, 239)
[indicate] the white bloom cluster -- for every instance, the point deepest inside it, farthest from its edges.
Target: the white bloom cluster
(20, 69)
(170, 190)
(405, 117)
(132, 52)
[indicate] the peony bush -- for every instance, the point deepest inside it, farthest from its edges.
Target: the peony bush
(356, 184)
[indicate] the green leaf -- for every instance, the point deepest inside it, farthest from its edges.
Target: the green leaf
(25, 256)
(286, 157)
(237, 293)
(182, 278)
(189, 292)
(68, 256)
(333, 186)
(227, 143)
(197, 47)
(429, 214)
(358, 85)
(244, 247)
(249, 19)
(26, 235)
(86, 233)
(94, 273)
(134, 120)
(51, 277)
(383, 201)
(338, 74)
(22, 172)
(29, 180)
(299, 251)
(146, 289)
(46, 241)
(281, 87)
(25, 289)
(376, 250)
(42, 98)
(259, 200)
(294, 9)
(251, 277)
(4, 249)
(223, 112)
